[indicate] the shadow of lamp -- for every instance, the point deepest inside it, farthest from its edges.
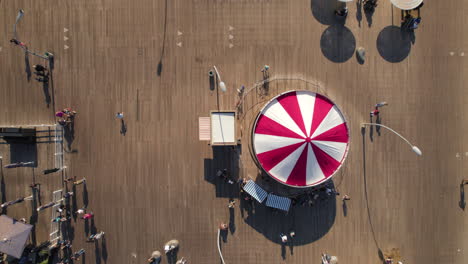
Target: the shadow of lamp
(18, 18)
(413, 147)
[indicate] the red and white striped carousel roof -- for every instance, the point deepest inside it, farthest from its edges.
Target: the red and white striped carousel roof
(300, 138)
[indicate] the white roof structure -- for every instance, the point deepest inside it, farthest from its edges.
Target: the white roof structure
(223, 128)
(406, 4)
(300, 138)
(13, 236)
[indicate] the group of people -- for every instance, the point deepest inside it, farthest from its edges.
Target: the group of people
(42, 73)
(65, 116)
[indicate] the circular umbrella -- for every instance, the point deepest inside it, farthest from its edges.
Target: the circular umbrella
(300, 138)
(406, 4)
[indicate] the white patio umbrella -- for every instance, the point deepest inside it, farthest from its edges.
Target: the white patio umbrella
(406, 4)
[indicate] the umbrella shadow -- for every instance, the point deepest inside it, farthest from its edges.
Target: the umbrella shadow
(394, 44)
(224, 157)
(338, 43)
(324, 11)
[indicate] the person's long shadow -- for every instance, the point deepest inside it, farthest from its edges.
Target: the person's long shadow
(172, 256)
(74, 206)
(27, 66)
(232, 224)
(123, 127)
(338, 43)
(86, 227)
(283, 251)
(359, 12)
(462, 202)
(93, 228)
(34, 216)
(369, 12)
(45, 89)
(160, 64)
(394, 44)
(97, 252)
(345, 208)
(3, 187)
(371, 130)
(85, 195)
(104, 249)
(378, 120)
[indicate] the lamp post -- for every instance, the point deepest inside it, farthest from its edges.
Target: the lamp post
(413, 147)
(221, 84)
(18, 18)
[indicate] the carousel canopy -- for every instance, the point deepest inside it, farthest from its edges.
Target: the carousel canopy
(300, 138)
(406, 4)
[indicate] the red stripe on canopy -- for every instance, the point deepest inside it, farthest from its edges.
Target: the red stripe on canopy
(336, 134)
(321, 108)
(270, 159)
(298, 174)
(267, 126)
(291, 105)
(325, 161)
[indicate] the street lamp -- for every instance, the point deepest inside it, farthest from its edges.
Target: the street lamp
(221, 84)
(18, 18)
(413, 147)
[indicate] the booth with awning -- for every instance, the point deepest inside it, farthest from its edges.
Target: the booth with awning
(13, 236)
(255, 191)
(278, 202)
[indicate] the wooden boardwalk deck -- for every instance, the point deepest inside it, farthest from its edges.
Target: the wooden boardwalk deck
(154, 184)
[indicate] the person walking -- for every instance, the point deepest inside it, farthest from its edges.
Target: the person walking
(39, 68)
(80, 182)
(68, 195)
(69, 179)
(120, 115)
(345, 198)
(232, 204)
(99, 235)
(381, 104)
(78, 254)
(284, 238)
(18, 43)
(87, 216)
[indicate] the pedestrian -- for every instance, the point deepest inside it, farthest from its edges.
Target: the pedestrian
(35, 185)
(61, 208)
(232, 204)
(91, 238)
(70, 112)
(56, 219)
(80, 182)
(44, 79)
(63, 122)
(39, 68)
(87, 216)
(23, 220)
(99, 235)
(464, 182)
(223, 226)
(381, 104)
(81, 211)
(292, 234)
(18, 43)
(375, 112)
(265, 68)
(241, 90)
(69, 179)
(68, 195)
(78, 254)
(284, 238)
(329, 191)
(346, 198)
(120, 115)
(343, 12)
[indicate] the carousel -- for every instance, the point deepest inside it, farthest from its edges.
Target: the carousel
(300, 138)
